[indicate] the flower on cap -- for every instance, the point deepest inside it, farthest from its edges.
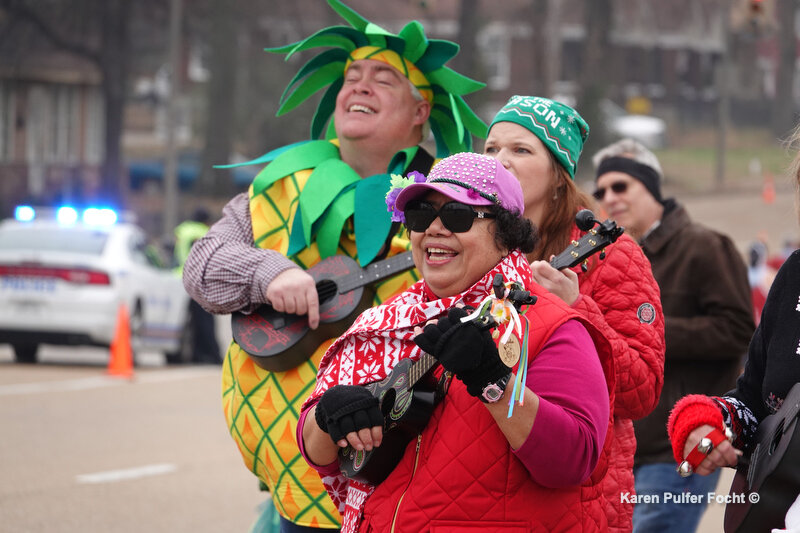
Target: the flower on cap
(398, 183)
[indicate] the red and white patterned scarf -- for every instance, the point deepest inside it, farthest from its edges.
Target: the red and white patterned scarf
(377, 340)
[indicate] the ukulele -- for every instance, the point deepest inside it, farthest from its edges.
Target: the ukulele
(407, 398)
(773, 473)
(595, 240)
(281, 341)
(408, 395)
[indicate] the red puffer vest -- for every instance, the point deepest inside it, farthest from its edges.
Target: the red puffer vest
(461, 475)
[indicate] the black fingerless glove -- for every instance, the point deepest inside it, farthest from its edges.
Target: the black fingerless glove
(346, 408)
(464, 348)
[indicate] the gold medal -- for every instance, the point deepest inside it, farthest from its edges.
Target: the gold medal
(509, 352)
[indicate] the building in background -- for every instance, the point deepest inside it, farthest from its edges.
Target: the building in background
(661, 61)
(51, 129)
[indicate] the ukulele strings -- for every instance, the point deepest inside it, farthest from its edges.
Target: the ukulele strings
(326, 291)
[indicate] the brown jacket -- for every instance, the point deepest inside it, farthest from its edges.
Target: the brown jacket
(708, 317)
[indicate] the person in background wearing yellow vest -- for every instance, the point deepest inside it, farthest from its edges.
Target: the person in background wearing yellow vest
(204, 338)
(385, 92)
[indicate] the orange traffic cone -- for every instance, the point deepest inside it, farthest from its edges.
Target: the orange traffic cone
(768, 190)
(120, 363)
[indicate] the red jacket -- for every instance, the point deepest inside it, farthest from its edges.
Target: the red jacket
(462, 474)
(620, 297)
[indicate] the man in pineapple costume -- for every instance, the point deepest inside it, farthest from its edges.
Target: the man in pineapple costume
(319, 198)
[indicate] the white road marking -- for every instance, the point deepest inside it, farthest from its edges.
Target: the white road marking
(98, 382)
(112, 476)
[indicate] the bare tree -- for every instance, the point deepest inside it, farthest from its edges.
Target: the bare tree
(596, 58)
(468, 61)
(468, 25)
(546, 50)
(262, 76)
(783, 107)
(222, 40)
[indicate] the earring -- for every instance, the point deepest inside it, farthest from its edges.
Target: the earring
(555, 195)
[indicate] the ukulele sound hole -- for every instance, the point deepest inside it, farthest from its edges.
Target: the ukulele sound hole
(326, 289)
(387, 402)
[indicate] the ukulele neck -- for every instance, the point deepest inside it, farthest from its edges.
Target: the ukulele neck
(376, 272)
(419, 369)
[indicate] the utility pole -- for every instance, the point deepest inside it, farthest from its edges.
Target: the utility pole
(171, 165)
(723, 95)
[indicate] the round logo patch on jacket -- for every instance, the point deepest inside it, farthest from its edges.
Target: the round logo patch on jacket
(646, 313)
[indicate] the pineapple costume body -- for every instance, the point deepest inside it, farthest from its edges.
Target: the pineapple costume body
(261, 407)
(303, 205)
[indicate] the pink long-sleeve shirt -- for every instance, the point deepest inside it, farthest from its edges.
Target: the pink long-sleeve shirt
(573, 411)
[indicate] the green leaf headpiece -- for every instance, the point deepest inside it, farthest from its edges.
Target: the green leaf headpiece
(420, 59)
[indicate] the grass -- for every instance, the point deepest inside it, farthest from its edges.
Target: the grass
(690, 160)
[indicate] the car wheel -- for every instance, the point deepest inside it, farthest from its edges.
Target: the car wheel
(25, 353)
(184, 355)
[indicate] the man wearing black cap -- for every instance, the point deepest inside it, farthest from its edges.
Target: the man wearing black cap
(708, 323)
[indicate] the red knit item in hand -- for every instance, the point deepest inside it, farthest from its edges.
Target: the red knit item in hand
(689, 413)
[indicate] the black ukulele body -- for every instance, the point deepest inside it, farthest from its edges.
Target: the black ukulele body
(772, 472)
(406, 407)
(279, 342)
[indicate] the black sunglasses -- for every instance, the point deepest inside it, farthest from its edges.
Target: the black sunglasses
(455, 216)
(618, 187)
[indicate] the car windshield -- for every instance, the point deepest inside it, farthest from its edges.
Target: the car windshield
(53, 239)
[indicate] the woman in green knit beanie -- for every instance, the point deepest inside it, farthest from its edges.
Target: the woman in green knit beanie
(540, 141)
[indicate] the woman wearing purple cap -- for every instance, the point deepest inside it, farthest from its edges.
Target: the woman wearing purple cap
(539, 141)
(512, 436)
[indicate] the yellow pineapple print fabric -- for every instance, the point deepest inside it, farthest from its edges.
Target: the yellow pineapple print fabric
(261, 407)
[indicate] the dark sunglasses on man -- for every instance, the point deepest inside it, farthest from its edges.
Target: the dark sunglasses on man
(455, 216)
(618, 187)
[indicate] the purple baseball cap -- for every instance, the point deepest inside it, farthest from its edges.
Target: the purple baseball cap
(469, 178)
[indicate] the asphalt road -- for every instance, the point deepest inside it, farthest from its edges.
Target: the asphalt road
(744, 216)
(84, 452)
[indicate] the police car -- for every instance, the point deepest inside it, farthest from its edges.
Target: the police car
(65, 273)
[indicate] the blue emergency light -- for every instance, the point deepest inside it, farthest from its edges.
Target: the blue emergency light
(99, 216)
(24, 213)
(67, 215)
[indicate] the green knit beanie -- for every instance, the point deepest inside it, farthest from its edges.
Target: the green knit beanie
(560, 128)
